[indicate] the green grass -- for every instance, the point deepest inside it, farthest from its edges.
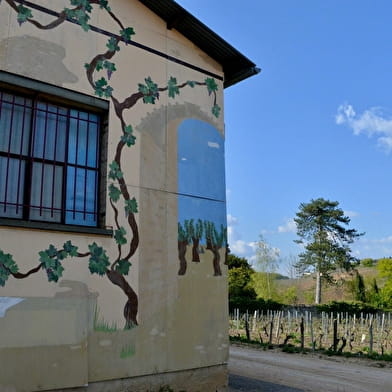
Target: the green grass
(101, 325)
(127, 351)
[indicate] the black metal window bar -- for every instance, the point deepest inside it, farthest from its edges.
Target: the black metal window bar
(49, 158)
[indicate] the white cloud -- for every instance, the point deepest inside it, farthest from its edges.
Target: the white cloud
(213, 145)
(373, 247)
(237, 245)
(372, 122)
(289, 227)
(231, 220)
(242, 248)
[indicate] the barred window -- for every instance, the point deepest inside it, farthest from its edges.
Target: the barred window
(49, 161)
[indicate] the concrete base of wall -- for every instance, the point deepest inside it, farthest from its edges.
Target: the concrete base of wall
(208, 379)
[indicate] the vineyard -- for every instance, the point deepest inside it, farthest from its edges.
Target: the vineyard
(334, 332)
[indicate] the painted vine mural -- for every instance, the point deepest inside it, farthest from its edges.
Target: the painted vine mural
(126, 238)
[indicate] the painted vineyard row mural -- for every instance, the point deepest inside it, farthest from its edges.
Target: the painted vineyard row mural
(201, 219)
(201, 185)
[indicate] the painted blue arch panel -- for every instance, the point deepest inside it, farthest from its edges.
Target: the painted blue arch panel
(201, 173)
(201, 160)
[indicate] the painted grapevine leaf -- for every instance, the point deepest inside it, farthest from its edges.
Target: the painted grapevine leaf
(216, 110)
(104, 4)
(149, 90)
(211, 85)
(102, 89)
(128, 138)
(23, 14)
(119, 236)
(115, 171)
(191, 83)
(131, 206)
(123, 267)
(8, 262)
(55, 272)
(172, 87)
(70, 249)
(98, 261)
(114, 193)
(112, 45)
(110, 68)
(127, 34)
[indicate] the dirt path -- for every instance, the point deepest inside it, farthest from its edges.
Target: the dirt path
(271, 371)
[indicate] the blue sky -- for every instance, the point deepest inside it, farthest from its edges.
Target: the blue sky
(316, 122)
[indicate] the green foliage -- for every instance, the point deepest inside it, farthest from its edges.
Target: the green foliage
(191, 83)
(215, 237)
(265, 285)
(104, 4)
(50, 260)
(384, 267)
(131, 206)
(182, 233)
(321, 230)
(128, 138)
(70, 249)
(234, 261)
(109, 66)
(7, 266)
(215, 110)
(358, 288)
(346, 307)
(112, 44)
(211, 85)
(149, 90)
(127, 34)
(114, 193)
(368, 262)
(115, 172)
(23, 14)
(98, 261)
(249, 304)
(123, 267)
(119, 236)
(101, 325)
(290, 296)
(80, 13)
(172, 87)
(127, 351)
(102, 89)
(240, 279)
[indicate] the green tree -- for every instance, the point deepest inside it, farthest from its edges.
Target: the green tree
(322, 232)
(373, 294)
(384, 267)
(267, 261)
(359, 287)
(240, 278)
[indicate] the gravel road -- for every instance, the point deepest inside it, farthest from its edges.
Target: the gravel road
(254, 370)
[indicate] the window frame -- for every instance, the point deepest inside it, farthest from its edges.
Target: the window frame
(29, 88)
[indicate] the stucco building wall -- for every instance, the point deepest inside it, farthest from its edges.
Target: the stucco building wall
(70, 333)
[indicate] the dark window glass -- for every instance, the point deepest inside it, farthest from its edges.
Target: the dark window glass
(48, 162)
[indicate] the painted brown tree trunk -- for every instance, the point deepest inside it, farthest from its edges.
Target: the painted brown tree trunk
(216, 260)
(181, 255)
(195, 250)
(131, 307)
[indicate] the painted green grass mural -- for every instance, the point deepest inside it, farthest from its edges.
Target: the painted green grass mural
(99, 71)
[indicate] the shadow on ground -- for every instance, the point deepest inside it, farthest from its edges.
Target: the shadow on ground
(245, 384)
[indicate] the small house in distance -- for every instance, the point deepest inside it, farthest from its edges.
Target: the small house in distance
(112, 196)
